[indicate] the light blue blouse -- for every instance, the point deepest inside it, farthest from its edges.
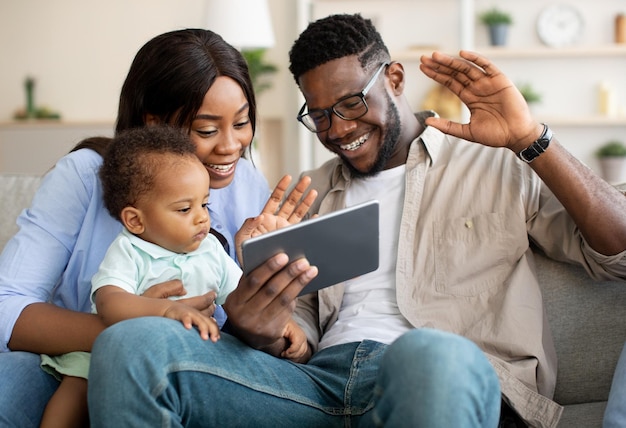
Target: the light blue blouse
(66, 231)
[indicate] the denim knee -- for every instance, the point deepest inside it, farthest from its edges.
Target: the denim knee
(435, 378)
(433, 348)
(440, 355)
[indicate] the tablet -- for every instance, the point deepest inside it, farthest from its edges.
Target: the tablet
(342, 244)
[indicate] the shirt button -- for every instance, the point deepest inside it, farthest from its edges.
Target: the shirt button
(469, 224)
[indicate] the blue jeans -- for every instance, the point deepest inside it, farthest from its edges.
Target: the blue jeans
(154, 372)
(24, 389)
(615, 413)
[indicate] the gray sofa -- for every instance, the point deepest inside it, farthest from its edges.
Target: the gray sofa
(588, 322)
(16, 193)
(588, 318)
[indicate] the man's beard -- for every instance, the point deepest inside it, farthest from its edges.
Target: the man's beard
(390, 142)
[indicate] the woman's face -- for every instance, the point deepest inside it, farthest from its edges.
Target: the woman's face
(221, 130)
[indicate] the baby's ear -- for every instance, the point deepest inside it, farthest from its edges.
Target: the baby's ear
(131, 219)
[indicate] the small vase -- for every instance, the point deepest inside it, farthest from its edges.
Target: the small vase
(498, 34)
(613, 169)
(29, 87)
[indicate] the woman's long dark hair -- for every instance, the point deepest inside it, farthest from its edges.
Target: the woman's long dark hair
(169, 78)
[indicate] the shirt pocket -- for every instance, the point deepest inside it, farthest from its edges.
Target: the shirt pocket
(474, 255)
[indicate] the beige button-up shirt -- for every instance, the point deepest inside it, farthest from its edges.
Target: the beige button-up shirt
(464, 264)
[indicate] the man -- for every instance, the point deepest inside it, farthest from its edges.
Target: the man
(450, 328)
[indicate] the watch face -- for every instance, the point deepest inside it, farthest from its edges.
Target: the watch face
(560, 25)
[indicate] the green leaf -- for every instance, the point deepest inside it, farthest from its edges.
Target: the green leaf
(495, 16)
(258, 68)
(612, 148)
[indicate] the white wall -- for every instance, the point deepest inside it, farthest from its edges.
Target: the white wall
(568, 83)
(80, 50)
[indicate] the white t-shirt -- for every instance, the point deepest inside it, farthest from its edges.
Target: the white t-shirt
(369, 309)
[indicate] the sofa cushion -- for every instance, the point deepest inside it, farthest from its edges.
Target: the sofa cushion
(16, 193)
(588, 415)
(588, 322)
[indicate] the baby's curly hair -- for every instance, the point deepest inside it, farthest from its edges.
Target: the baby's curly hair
(133, 160)
(333, 37)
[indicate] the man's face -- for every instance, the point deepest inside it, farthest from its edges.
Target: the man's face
(367, 144)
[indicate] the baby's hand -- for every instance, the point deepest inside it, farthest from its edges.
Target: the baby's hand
(298, 350)
(189, 316)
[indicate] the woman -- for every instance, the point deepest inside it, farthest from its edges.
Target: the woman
(189, 78)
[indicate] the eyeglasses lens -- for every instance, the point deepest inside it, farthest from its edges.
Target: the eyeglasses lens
(348, 109)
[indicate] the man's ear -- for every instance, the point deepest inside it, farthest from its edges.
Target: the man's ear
(395, 74)
(131, 219)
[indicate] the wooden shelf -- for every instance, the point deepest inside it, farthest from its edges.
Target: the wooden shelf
(583, 121)
(613, 50)
(53, 123)
(547, 53)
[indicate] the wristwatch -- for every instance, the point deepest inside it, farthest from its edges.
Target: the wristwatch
(538, 147)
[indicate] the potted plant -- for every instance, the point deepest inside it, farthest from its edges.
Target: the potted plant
(497, 21)
(612, 156)
(529, 93)
(258, 69)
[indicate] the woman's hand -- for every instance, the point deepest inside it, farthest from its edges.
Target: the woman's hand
(279, 211)
(295, 206)
(166, 289)
(204, 303)
(260, 308)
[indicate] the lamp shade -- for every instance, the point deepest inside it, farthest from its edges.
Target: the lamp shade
(245, 24)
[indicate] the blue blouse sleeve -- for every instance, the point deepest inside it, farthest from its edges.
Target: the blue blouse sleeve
(61, 240)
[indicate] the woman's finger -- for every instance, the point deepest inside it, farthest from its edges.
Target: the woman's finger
(204, 303)
(276, 198)
(294, 199)
(166, 289)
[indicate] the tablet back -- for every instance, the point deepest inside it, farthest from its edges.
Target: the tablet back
(342, 244)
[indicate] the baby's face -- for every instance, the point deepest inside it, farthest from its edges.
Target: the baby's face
(175, 213)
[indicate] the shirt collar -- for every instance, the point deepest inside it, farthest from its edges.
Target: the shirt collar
(156, 251)
(431, 137)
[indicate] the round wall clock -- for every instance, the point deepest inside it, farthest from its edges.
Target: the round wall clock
(560, 25)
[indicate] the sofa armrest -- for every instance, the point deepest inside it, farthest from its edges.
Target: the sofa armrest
(16, 194)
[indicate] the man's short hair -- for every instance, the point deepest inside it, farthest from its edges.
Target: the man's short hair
(333, 37)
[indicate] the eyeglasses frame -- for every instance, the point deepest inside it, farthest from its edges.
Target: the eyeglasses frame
(328, 112)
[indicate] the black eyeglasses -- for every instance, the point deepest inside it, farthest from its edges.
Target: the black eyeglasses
(350, 107)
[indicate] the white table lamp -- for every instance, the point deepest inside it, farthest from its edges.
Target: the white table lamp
(245, 24)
